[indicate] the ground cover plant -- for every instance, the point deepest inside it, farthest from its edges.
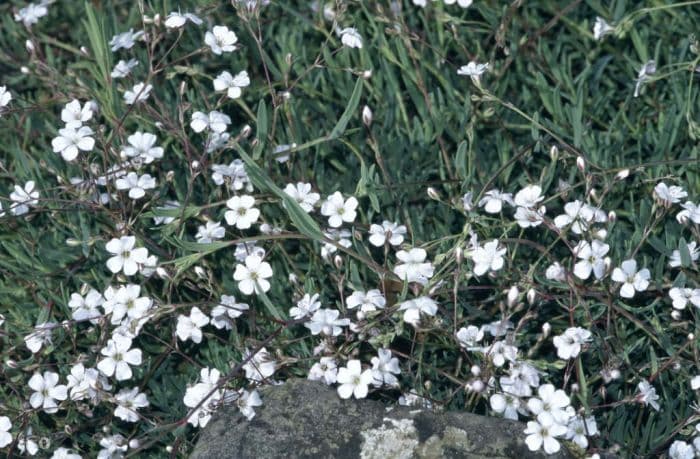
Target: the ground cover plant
(481, 206)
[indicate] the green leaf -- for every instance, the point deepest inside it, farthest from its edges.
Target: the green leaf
(349, 111)
(686, 259)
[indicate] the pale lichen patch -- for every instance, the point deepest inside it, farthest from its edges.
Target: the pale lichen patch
(395, 439)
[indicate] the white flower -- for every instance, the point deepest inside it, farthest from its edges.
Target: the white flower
(214, 121)
(601, 28)
(578, 429)
(142, 145)
(632, 280)
(527, 218)
(500, 352)
(126, 257)
(221, 40)
(226, 310)
(231, 84)
(505, 404)
(592, 259)
(393, 232)
(413, 308)
(341, 237)
(5, 435)
(488, 257)
(669, 195)
(279, 149)
(301, 193)
(690, 212)
(354, 381)
(138, 93)
(23, 197)
(350, 37)
(234, 173)
(119, 356)
(675, 259)
(552, 401)
(647, 395)
(384, 367)
(681, 296)
(86, 308)
(681, 450)
(246, 401)
(82, 382)
(123, 68)
(469, 336)
(253, 276)
(473, 69)
(326, 321)
(338, 210)
(579, 215)
(190, 327)
(128, 401)
(136, 184)
(461, 3)
(305, 307)
(695, 382)
(40, 336)
(125, 40)
(414, 268)
(208, 233)
(46, 391)
(326, 370)
(25, 442)
(520, 380)
(243, 213)
(74, 115)
(244, 249)
(175, 20)
(70, 140)
(569, 343)
(556, 272)
(31, 13)
(493, 200)
(367, 301)
(543, 432)
(204, 394)
(529, 197)
(649, 68)
(260, 366)
(5, 98)
(114, 446)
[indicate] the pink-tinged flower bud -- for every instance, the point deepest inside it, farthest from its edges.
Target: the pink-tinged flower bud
(245, 132)
(476, 386)
(367, 116)
(581, 164)
(554, 153)
(475, 370)
(29, 45)
(623, 174)
(433, 194)
(459, 255)
(338, 261)
(546, 329)
(612, 216)
(288, 59)
(513, 295)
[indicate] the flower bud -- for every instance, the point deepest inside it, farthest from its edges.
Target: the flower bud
(72, 242)
(513, 295)
(554, 153)
(676, 314)
(612, 216)
(581, 164)
(531, 296)
(182, 88)
(367, 74)
(24, 70)
(433, 194)
(169, 449)
(134, 443)
(29, 45)
(691, 336)
(575, 387)
(245, 132)
(475, 370)
(162, 273)
(623, 174)
(476, 386)
(367, 116)
(338, 261)
(546, 329)
(459, 255)
(200, 272)
(195, 165)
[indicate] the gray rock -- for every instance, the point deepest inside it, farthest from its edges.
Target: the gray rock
(302, 419)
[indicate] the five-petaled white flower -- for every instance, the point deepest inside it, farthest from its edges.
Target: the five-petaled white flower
(190, 327)
(214, 121)
(543, 433)
(125, 40)
(142, 145)
(123, 68)
(592, 256)
(136, 184)
(469, 336)
(413, 309)
(386, 232)
(70, 140)
(86, 308)
(305, 307)
(247, 401)
(669, 195)
(23, 197)
(647, 395)
(384, 367)
(259, 366)
(367, 301)
(579, 429)
(221, 40)
(473, 69)
(231, 84)
(5, 435)
(413, 267)
(674, 260)
(243, 213)
(74, 115)
(128, 401)
(301, 193)
(488, 257)
(118, 358)
(339, 210)
(175, 19)
(227, 309)
(253, 276)
(210, 232)
(354, 381)
(601, 28)
(138, 93)
(681, 296)
(569, 343)
(350, 37)
(493, 200)
(579, 215)
(326, 321)
(632, 280)
(47, 391)
(126, 257)
(31, 13)
(325, 370)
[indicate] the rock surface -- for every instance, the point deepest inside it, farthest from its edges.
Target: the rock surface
(304, 419)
